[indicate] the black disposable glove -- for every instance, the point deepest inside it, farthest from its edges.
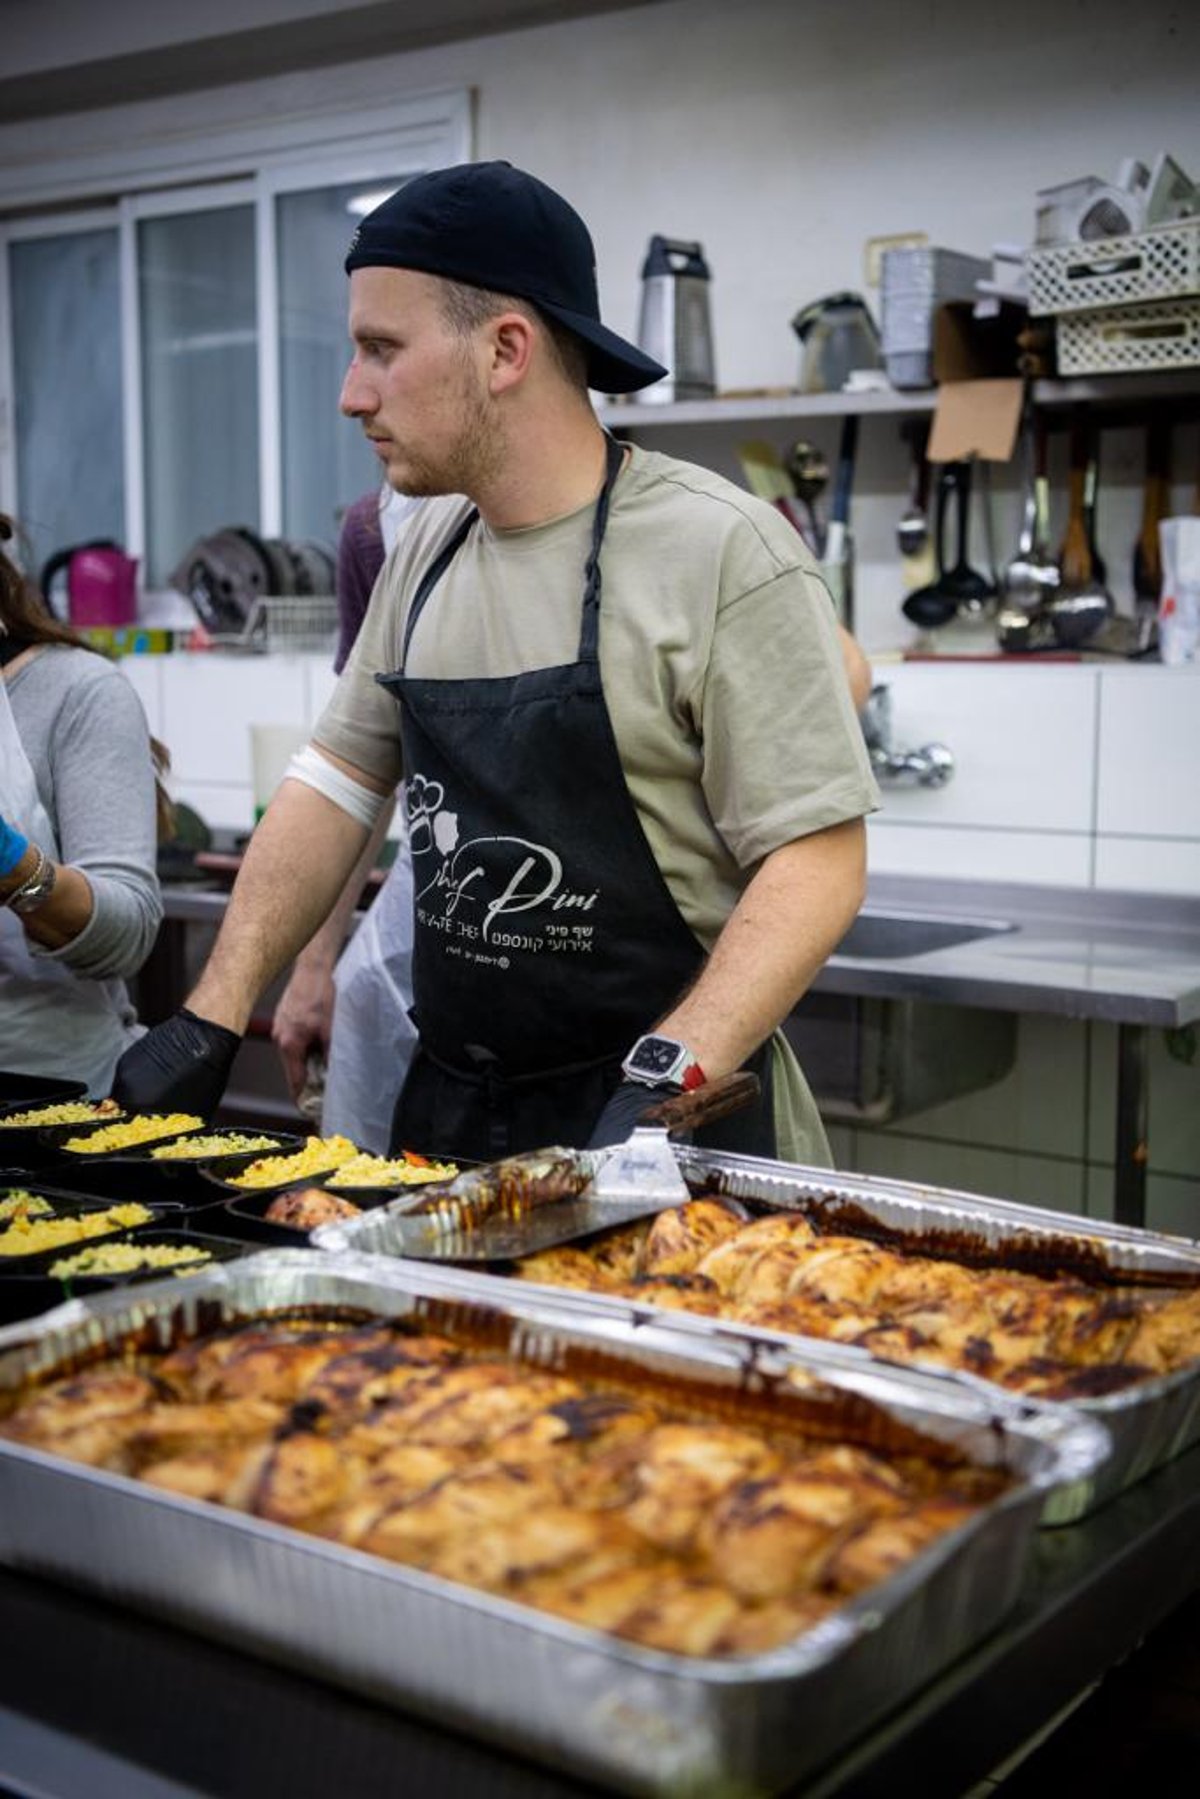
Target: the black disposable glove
(625, 1109)
(181, 1065)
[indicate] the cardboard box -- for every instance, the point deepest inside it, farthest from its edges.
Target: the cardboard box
(975, 363)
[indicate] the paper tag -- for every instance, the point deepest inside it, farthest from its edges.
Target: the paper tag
(976, 418)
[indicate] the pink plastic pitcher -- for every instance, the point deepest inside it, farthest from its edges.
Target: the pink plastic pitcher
(101, 583)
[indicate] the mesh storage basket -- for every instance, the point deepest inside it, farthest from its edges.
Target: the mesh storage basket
(1161, 264)
(1123, 340)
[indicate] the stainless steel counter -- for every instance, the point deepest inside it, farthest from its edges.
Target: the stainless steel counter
(1130, 959)
(1126, 957)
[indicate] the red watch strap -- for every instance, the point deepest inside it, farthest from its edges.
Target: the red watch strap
(693, 1077)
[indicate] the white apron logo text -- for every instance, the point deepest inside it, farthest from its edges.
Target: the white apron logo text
(490, 895)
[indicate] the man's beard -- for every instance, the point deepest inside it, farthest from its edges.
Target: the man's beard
(473, 458)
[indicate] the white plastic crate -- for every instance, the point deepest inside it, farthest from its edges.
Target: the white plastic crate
(1123, 340)
(1161, 264)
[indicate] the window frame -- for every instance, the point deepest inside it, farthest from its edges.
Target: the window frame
(241, 163)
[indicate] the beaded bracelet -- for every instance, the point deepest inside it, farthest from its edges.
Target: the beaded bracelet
(36, 888)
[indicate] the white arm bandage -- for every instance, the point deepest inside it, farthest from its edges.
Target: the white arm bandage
(308, 765)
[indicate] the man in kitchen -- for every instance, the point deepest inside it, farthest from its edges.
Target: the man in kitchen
(635, 780)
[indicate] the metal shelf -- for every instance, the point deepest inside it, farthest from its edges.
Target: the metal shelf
(1105, 390)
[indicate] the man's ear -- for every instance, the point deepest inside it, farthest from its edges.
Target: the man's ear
(512, 341)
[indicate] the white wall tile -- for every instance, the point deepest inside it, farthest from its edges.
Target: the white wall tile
(1149, 767)
(210, 701)
(144, 674)
(1149, 864)
(320, 682)
(993, 1173)
(1173, 1087)
(1040, 1105)
(1051, 858)
(222, 805)
(1172, 1204)
(1023, 740)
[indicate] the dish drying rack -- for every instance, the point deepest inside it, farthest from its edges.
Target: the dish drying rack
(286, 624)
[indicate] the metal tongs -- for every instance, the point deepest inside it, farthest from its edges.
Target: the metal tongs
(551, 1196)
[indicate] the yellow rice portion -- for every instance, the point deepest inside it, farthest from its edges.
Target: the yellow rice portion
(67, 1111)
(318, 1156)
(379, 1171)
(142, 1129)
(30, 1236)
(127, 1258)
(226, 1143)
(16, 1203)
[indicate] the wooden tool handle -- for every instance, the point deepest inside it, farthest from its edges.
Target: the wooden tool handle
(1076, 556)
(704, 1105)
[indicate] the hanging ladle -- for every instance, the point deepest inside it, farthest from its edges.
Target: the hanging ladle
(959, 588)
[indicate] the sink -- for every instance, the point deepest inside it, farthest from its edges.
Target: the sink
(891, 936)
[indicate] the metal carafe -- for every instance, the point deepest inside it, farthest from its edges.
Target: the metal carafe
(674, 325)
(838, 336)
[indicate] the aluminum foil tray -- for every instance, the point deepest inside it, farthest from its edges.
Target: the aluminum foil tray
(1149, 1423)
(639, 1720)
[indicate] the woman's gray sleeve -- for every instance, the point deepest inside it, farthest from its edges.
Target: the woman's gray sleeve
(104, 804)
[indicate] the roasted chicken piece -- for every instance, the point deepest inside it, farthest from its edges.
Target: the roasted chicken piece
(196, 1370)
(685, 1614)
(761, 1627)
(584, 1426)
(773, 1538)
(843, 1270)
(167, 1430)
(506, 1554)
(680, 1237)
(805, 1315)
(617, 1254)
(303, 1478)
(1167, 1334)
(564, 1267)
(400, 1474)
(730, 1262)
(478, 1402)
(87, 1417)
(225, 1476)
(305, 1208)
(682, 1469)
(884, 1545)
(359, 1376)
(913, 1281)
(459, 1506)
(682, 1292)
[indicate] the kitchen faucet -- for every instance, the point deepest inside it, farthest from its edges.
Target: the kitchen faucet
(930, 766)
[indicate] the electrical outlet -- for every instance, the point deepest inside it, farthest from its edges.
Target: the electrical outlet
(874, 248)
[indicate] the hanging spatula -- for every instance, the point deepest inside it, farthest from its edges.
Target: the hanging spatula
(551, 1196)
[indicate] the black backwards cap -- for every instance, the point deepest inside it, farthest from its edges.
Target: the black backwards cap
(490, 225)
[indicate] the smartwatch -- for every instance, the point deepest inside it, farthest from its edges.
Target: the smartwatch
(663, 1062)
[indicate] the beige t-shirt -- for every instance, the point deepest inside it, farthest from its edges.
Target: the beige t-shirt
(720, 662)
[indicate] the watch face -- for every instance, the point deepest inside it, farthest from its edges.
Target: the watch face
(657, 1056)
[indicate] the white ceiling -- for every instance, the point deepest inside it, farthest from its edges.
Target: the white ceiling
(73, 54)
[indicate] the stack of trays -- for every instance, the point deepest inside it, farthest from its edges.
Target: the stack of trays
(915, 283)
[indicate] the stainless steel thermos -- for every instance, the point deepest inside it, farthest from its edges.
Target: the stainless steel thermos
(675, 326)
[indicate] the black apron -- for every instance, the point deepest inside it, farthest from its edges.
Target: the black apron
(545, 938)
